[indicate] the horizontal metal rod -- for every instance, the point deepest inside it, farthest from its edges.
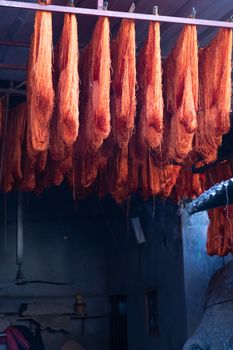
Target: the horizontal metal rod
(15, 88)
(114, 14)
(19, 85)
(11, 67)
(203, 168)
(12, 91)
(14, 43)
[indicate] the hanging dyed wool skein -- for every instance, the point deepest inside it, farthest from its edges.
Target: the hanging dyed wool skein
(94, 104)
(188, 185)
(96, 69)
(123, 51)
(150, 90)
(29, 159)
(57, 148)
(120, 175)
(220, 237)
(2, 111)
(65, 121)
(181, 76)
(15, 130)
(40, 93)
(168, 178)
(68, 84)
(215, 95)
(124, 82)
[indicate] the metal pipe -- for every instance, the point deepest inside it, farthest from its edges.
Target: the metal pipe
(205, 167)
(219, 195)
(14, 43)
(21, 84)
(11, 67)
(14, 88)
(19, 245)
(19, 239)
(12, 91)
(114, 14)
(100, 4)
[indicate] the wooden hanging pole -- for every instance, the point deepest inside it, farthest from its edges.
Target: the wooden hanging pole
(114, 14)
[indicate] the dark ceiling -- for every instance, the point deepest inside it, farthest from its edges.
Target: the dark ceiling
(17, 24)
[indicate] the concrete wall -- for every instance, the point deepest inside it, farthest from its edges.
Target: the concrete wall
(61, 244)
(133, 268)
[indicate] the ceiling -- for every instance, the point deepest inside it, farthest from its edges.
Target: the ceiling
(16, 25)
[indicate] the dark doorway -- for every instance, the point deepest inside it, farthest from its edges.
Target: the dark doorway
(119, 338)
